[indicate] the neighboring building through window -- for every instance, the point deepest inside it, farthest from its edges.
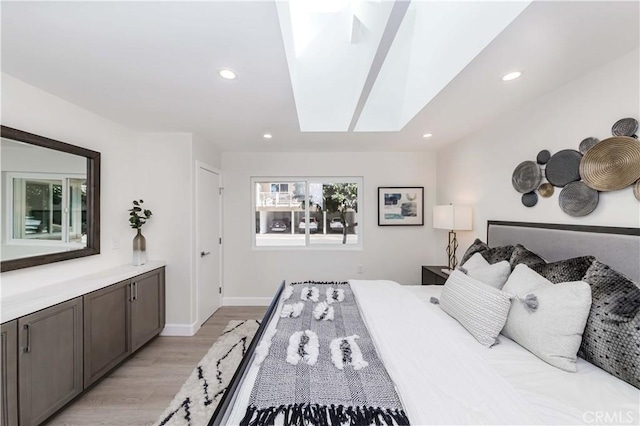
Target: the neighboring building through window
(305, 212)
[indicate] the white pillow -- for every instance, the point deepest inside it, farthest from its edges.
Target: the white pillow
(475, 262)
(481, 309)
(553, 330)
(493, 275)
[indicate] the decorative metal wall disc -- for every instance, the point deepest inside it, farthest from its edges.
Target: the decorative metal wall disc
(587, 144)
(612, 164)
(530, 199)
(625, 127)
(563, 167)
(577, 199)
(636, 190)
(543, 156)
(526, 177)
(546, 190)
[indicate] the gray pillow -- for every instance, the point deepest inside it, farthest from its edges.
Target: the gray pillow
(479, 308)
(491, 255)
(497, 254)
(522, 255)
(612, 337)
(474, 248)
(565, 270)
(551, 327)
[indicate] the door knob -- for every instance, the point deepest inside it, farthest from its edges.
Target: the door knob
(204, 253)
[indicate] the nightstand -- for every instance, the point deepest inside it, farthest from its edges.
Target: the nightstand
(433, 275)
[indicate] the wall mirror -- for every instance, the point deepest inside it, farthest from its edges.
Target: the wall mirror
(50, 200)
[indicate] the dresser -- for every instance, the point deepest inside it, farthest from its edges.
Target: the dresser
(60, 339)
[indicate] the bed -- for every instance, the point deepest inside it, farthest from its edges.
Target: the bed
(440, 372)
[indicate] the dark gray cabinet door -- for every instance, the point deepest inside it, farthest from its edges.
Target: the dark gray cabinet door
(9, 374)
(49, 360)
(107, 339)
(147, 308)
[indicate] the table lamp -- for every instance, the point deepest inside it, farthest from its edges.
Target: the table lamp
(454, 218)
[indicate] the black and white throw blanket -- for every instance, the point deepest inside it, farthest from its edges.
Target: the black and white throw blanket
(321, 367)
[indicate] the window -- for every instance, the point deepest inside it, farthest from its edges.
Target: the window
(51, 208)
(307, 212)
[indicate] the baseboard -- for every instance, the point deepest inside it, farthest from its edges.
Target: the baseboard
(179, 329)
(246, 301)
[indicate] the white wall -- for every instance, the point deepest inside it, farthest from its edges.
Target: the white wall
(389, 252)
(477, 170)
(206, 152)
(30, 109)
(167, 186)
(164, 183)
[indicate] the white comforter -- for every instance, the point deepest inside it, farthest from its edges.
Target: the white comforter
(502, 382)
(589, 396)
(439, 380)
(444, 376)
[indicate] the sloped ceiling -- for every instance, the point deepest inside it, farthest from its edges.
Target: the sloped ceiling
(399, 69)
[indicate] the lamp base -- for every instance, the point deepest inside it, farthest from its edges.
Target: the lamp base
(451, 250)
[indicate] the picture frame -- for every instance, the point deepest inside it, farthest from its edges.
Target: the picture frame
(400, 206)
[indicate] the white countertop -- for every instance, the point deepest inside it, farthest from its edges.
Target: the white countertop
(30, 301)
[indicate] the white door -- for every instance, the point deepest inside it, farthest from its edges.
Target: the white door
(208, 226)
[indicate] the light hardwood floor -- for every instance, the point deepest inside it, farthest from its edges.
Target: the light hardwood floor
(139, 390)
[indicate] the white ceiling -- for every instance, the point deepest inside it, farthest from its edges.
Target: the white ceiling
(152, 66)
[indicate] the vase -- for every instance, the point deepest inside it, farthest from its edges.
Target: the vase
(139, 249)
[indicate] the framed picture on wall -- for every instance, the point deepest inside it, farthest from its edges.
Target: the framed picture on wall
(400, 206)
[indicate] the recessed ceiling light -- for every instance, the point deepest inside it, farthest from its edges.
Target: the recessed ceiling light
(427, 135)
(227, 74)
(511, 76)
(267, 136)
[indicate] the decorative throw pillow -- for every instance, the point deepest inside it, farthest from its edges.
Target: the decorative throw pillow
(612, 337)
(522, 255)
(475, 262)
(479, 308)
(565, 270)
(476, 247)
(494, 275)
(497, 254)
(547, 319)
(491, 255)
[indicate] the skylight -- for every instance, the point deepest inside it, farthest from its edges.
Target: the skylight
(331, 47)
(329, 54)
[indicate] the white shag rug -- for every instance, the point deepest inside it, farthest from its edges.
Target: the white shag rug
(198, 398)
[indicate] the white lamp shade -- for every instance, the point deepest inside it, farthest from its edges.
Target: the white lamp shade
(443, 217)
(453, 217)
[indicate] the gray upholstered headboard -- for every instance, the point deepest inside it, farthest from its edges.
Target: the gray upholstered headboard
(617, 247)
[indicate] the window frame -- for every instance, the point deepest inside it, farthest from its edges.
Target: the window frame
(359, 180)
(64, 178)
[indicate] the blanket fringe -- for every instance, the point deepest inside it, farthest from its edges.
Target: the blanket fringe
(323, 415)
(321, 282)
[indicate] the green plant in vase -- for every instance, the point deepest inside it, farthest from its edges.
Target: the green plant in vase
(138, 216)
